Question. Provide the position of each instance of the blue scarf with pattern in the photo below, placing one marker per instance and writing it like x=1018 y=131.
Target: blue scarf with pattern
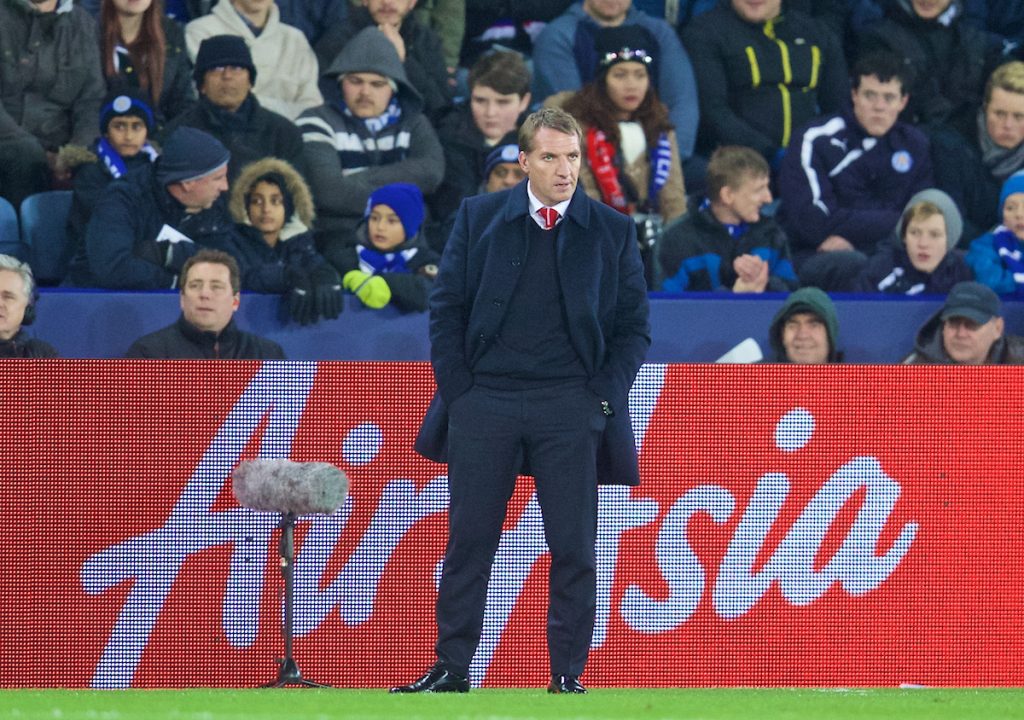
x=1008 y=247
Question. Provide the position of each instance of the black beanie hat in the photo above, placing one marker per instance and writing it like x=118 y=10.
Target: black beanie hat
x=625 y=43
x=122 y=102
x=223 y=51
x=189 y=154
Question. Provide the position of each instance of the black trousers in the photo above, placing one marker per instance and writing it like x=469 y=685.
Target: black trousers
x=557 y=431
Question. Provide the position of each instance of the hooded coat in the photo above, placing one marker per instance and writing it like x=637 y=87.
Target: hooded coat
x=265 y=268
x=929 y=350
x=812 y=300
x=405 y=149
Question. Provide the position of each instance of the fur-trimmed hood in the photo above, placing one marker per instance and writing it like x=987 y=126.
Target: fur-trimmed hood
x=301 y=220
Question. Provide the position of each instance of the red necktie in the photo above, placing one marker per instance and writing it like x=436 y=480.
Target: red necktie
x=550 y=216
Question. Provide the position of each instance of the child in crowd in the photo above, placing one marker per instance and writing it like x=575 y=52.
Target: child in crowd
x=273 y=210
x=389 y=265
x=996 y=257
x=727 y=244
x=126 y=122
x=924 y=259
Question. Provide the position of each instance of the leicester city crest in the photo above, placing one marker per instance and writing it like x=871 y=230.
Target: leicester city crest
x=901 y=161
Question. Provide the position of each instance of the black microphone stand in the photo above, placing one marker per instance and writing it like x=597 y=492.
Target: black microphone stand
x=288 y=673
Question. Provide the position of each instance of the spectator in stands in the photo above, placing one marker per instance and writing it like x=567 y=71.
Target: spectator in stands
x=996 y=257
x=805 y=330
x=210 y=295
x=144 y=50
x=149 y=223
x=447 y=18
x=370 y=133
x=565 y=58
x=631 y=157
x=18 y=309
x=390 y=266
x=229 y=110
x=418 y=47
x=126 y=121
x=947 y=60
x=506 y=25
x=499 y=95
x=972 y=168
x=51 y=87
x=762 y=74
x=273 y=209
x=287 y=79
x=847 y=177
x=727 y=244
x=501 y=168
x=923 y=260
x=967 y=330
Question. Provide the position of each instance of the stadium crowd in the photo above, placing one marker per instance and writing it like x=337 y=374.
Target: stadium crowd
x=319 y=149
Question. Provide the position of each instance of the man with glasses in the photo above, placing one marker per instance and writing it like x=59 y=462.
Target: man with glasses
x=846 y=177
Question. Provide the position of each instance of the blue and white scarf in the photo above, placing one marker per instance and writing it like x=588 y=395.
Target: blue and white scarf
x=376 y=262
x=375 y=124
x=661 y=163
x=1008 y=247
x=112 y=160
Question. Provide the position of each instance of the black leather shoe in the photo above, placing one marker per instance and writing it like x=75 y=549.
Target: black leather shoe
x=436 y=679
x=566 y=684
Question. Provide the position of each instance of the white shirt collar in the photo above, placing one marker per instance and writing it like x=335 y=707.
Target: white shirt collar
x=536 y=205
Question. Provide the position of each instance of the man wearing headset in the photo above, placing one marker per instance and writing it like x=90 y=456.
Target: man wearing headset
x=17 y=309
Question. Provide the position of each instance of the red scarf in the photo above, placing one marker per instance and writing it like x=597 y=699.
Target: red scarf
x=600 y=155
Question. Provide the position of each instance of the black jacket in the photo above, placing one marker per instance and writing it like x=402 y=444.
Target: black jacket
x=929 y=350
x=890 y=271
x=250 y=133
x=23 y=346
x=183 y=341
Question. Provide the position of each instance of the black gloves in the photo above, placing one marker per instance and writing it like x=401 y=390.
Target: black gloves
x=327 y=292
x=301 y=301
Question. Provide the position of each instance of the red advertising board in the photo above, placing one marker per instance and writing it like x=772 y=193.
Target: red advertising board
x=795 y=526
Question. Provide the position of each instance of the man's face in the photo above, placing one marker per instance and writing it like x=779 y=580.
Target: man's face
x=496 y=114
x=504 y=176
x=366 y=94
x=207 y=300
x=13 y=302
x=127 y=134
x=227 y=87
x=929 y=9
x=967 y=342
x=805 y=339
x=745 y=200
x=389 y=12
x=553 y=165
x=202 y=193
x=266 y=209
x=925 y=240
x=757 y=11
x=607 y=12
x=877 y=104
x=1013 y=214
x=385 y=228
x=1004 y=118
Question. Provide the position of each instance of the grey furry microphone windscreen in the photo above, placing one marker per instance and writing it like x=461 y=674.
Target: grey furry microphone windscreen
x=285 y=486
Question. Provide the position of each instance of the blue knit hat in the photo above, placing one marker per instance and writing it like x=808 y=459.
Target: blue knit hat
x=508 y=153
x=407 y=202
x=1013 y=184
x=190 y=154
x=122 y=102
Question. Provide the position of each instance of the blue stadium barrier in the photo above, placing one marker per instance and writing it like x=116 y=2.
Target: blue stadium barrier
x=10 y=236
x=44 y=219
x=696 y=328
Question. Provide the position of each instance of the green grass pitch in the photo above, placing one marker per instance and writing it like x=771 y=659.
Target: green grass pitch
x=613 y=704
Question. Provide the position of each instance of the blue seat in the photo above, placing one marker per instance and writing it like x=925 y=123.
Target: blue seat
x=44 y=220
x=10 y=236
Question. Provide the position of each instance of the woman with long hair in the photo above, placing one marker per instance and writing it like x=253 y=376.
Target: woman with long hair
x=631 y=160
x=142 y=48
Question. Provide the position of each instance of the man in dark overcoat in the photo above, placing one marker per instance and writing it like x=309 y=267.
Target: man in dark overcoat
x=538 y=326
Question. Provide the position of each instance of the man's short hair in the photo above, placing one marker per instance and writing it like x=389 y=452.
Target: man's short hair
x=504 y=71
x=885 y=66
x=1008 y=76
x=730 y=164
x=217 y=257
x=551 y=118
x=9 y=262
